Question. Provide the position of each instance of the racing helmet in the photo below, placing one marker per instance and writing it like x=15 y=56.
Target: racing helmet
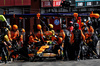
x=76 y=26
x=39 y=27
x=71 y=23
x=15 y=27
x=23 y=30
x=89 y=23
x=85 y=30
x=51 y=26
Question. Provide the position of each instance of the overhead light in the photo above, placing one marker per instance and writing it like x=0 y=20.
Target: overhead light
x=70 y=1
x=80 y=4
x=89 y=3
x=84 y=20
x=97 y=3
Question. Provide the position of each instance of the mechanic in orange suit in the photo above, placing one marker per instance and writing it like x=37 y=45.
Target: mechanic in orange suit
x=32 y=38
x=21 y=36
x=39 y=34
x=91 y=30
x=15 y=32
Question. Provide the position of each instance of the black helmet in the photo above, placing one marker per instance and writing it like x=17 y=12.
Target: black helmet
x=64 y=26
x=89 y=23
x=85 y=30
x=4 y=31
x=76 y=26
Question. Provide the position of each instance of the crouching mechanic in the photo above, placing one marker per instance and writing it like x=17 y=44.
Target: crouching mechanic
x=39 y=33
x=76 y=40
x=33 y=39
x=28 y=45
x=4 y=41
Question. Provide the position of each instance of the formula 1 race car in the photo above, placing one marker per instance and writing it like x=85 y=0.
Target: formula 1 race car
x=49 y=49
x=45 y=51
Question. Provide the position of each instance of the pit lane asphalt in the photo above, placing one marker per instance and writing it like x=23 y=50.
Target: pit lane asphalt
x=88 y=62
